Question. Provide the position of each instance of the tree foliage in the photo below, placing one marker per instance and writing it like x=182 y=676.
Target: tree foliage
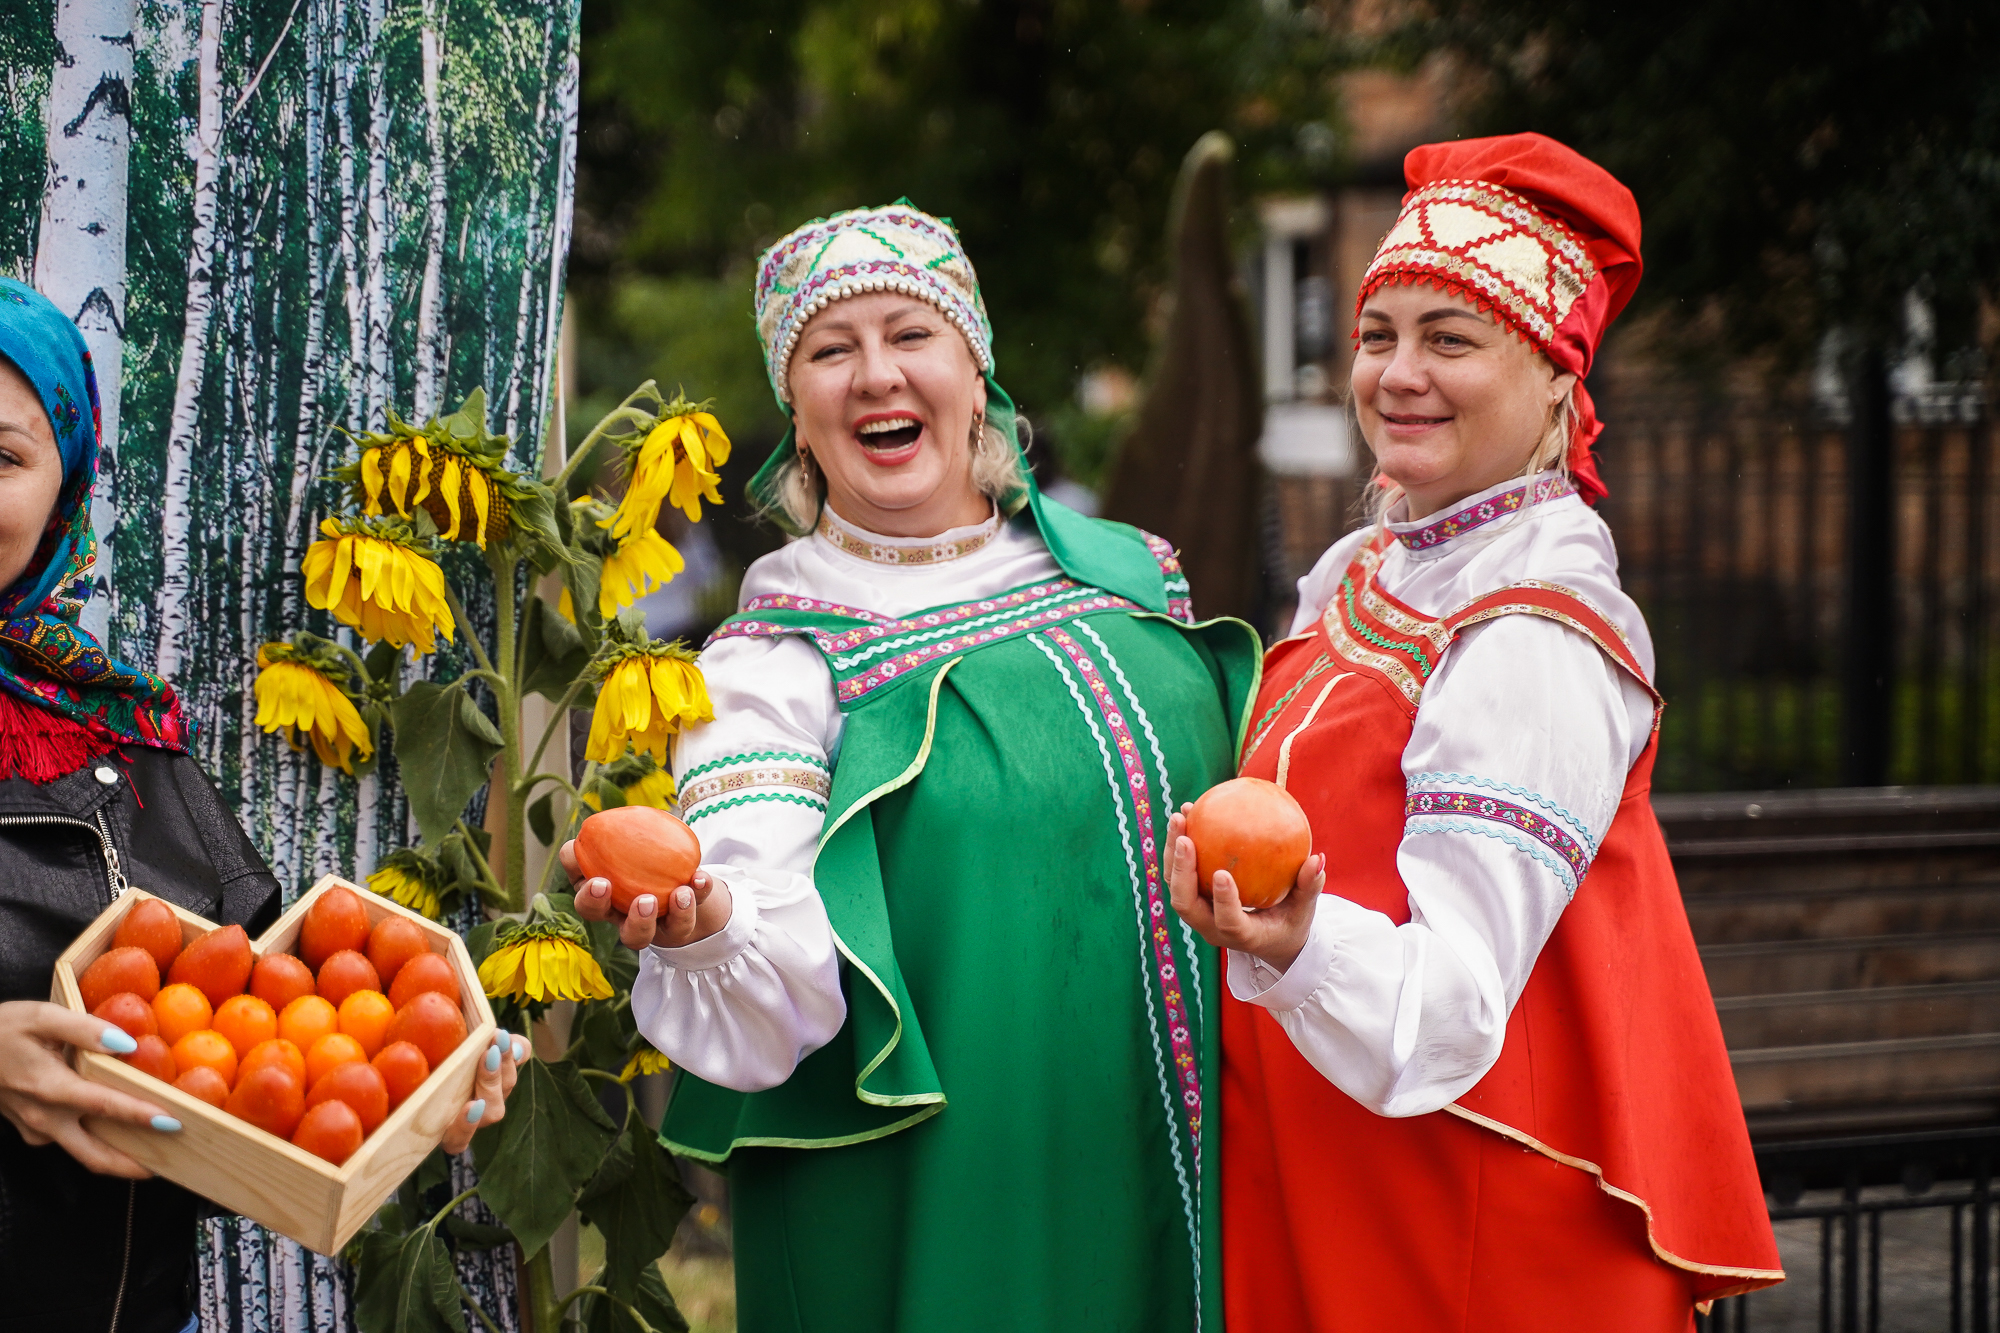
x=1801 y=166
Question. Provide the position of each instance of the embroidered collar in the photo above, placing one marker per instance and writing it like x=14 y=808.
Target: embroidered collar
x=1509 y=497
x=951 y=544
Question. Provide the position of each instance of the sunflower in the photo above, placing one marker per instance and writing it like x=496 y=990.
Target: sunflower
x=645 y=1060
x=647 y=695
x=543 y=958
x=373 y=574
x=677 y=463
x=303 y=699
x=409 y=878
x=643 y=783
x=637 y=567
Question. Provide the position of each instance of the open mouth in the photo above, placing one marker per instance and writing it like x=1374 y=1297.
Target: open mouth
x=889 y=434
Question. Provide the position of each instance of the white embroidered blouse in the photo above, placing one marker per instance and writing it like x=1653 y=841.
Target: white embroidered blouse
x=744 y=1006
x=1405 y=1019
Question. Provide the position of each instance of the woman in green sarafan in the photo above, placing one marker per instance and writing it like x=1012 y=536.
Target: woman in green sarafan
x=933 y=1013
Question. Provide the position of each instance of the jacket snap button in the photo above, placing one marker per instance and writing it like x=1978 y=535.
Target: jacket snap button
x=106 y=774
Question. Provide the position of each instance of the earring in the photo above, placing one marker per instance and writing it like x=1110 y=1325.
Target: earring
x=978 y=426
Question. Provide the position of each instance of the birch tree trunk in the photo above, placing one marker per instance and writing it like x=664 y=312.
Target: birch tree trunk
x=524 y=303
x=566 y=102
x=430 y=307
x=80 y=255
x=350 y=223
x=175 y=491
x=381 y=384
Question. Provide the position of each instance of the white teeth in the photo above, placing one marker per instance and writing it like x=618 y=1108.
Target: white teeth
x=887 y=424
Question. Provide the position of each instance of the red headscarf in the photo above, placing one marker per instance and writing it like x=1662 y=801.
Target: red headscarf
x=1534 y=232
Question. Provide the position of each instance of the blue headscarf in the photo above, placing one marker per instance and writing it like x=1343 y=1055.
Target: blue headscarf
x=46 y=656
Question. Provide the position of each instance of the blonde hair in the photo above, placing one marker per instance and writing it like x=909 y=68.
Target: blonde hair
x=800 y=488
x=1551 y=454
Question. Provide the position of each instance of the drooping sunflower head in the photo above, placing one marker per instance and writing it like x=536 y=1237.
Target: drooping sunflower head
x=409 y=877
x=640 y=564
x=299 y=695
x=645 y=1060
x=376 y=575
x=546 y=957
x=647 y=693
x=452 y=469
x=638 y=779
x=678 y=461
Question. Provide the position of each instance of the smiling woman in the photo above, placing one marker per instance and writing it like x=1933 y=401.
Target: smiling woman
x=950 y=722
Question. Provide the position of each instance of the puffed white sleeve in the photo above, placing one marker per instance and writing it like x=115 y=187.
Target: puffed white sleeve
x=1514 y=771
x=744 y=1006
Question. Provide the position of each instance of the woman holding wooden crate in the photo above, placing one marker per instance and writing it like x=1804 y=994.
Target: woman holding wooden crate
x=1472 y=1076
x=97 y=792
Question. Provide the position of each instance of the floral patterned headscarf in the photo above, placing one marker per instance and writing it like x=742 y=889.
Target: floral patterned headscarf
x=46 y=657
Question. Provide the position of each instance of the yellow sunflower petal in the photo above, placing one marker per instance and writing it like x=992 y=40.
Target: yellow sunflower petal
x=399 y=479
x=448 y=487
x=482 y=500
x=371 y=480
x=423 y=448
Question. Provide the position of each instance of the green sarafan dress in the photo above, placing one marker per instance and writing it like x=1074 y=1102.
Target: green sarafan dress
x=1013 y=1130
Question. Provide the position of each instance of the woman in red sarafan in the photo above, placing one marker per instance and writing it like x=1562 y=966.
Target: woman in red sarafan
x=1472 y=1077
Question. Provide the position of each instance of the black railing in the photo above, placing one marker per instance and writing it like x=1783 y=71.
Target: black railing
x=1733 y=531
x=1848 y=1192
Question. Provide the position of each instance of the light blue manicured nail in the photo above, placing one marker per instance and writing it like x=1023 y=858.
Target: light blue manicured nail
x=520 y=1050
x=492 y=1058
x=475 y=1112
x=166 y=1124
x=118 y=1041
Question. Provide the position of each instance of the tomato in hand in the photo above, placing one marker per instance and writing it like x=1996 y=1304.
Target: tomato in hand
x=639 y=849
x=1255 y=831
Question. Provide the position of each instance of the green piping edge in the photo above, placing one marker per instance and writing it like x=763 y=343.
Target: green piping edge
x=715 y=807
x=751 y=757
x=845 y=1140
x=908 y=775
x=1256 y=657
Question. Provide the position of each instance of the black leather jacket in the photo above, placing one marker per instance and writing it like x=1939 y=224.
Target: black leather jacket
x=77 y=1250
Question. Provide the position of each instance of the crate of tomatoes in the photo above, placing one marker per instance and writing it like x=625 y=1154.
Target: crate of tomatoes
x=311 y=1069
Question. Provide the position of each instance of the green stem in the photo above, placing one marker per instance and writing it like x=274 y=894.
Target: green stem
x=576 y=809
x=465 y=628
x=543 y=1306
x=473 y=1306
x=529 y=783
x=514 y=874
x=615 y=416
x=479 y=859
x=549 y=732
x=637 y=1318
x=445 y=1211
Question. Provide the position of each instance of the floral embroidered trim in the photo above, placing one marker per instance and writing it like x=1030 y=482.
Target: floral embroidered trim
x=1144 y=870
x=1320 y=666
x=883 y=553
x=1473 y=517
x=716 y=807
x=1180 y=597
x=784 y=601
x=702 y=790
x=728 y=759
x=1445 y=781
x=1472 y=805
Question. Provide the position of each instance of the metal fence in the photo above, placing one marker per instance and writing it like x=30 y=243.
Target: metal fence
x=1734 y=529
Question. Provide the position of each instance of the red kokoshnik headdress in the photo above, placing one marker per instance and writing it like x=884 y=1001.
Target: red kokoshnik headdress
x=1535 y=233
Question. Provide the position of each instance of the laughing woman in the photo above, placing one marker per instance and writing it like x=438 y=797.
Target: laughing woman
x=1477 y=1083
x=934 y=1013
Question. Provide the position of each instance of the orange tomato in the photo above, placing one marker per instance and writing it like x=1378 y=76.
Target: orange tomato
x=432 y=1024
x=335 y=1048
x=360 y=1086
x=403 y=1069
x=271 y=1097
x=639 y=849
x=218 y=964
x=151 y=925
x=277 y=1052
x=306 y=1020
x=337 y=920
x=279 y=978
x=245 y=1020
x=208 y=1048
x=128 y=969
x=331 y=1130
x=205 y=1083
x=365 y=1016
x=430 y=972
x=394 y=942
x=126 y=1010
x=179 y=1010
x=344 y=973
x=153 y=1058
x=1255 y=831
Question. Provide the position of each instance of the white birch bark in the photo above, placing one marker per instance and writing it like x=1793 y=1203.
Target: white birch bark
x=175 y=515
x=524 y=301
x=379 y=381
x=80 y=252
x=430 y=306
x=350 y=223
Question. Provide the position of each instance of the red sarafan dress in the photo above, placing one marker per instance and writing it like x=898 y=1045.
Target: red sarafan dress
x=1597 y=1174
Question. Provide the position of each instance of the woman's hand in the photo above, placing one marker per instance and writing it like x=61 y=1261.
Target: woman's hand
x=497 y=1071
x=694 y=911
x=1275 y=934
x=46 y=1100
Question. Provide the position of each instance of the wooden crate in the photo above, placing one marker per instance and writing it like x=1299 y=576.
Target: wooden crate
x=249 y=1170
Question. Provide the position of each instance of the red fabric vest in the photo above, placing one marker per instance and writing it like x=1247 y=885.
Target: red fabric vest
x=1613 y=1063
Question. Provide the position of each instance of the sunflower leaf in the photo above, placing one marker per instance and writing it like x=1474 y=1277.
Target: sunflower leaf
x=555 y=652
x=533 y=1163
x=638 y=1213
x=542 y=819
x=445 y=747
x=653 y=1301
x=406 y=1284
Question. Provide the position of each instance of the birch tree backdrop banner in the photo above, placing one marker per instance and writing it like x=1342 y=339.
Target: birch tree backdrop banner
x=273 y=220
